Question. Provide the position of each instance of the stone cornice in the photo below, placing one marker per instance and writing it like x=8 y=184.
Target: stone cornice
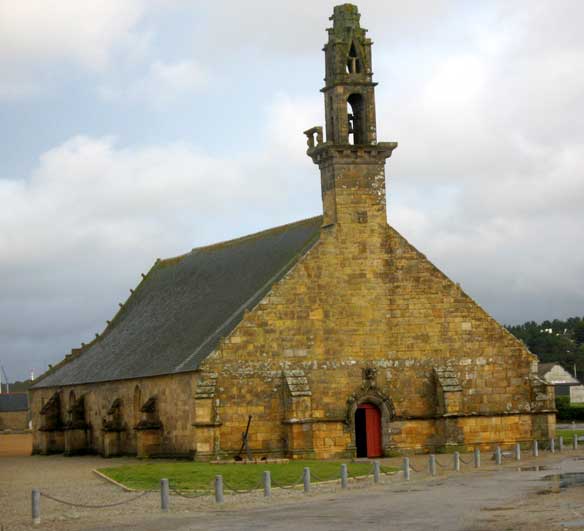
x=327 y=153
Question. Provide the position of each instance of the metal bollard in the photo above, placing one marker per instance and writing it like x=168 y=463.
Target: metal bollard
x=517 y=452
x=344 y=476
x=406 y=468
x=535 y=448
x=306 y=478
x=498 y=456
x=477 y=457
x=553 y=446
x=560 y=444
x=456 y=461
x=267 y=483
x=575 y=442
x=164 y=495
x=36 y=507
x=219 y=498
x=432 y=465
x=376 y=471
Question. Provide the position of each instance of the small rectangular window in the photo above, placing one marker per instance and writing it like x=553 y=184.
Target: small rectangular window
x=362 y=216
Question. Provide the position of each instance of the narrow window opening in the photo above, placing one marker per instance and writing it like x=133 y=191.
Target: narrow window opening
x=353 y=62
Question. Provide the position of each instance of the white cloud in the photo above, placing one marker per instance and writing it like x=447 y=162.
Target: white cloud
x=36 y=37
x=85 y=32
x=163 y=83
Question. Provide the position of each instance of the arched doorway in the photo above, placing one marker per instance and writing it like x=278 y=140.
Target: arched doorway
x=368 y=431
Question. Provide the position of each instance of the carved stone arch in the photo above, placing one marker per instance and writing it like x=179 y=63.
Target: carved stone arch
x=72 y=398
x=137 y=404
x=371 y=395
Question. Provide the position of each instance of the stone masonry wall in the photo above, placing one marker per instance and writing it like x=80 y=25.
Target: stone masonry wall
x=174 y=403
x=363 y=297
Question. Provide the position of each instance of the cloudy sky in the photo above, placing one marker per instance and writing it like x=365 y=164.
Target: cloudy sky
x=140 y=129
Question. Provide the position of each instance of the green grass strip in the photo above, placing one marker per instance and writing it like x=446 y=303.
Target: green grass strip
x=189 y=476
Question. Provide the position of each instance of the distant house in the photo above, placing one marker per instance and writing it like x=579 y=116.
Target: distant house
x=564 y=383
x=14 y=411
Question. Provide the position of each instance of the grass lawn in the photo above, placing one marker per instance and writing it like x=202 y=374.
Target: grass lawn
x=199 y=476
x=568 y=435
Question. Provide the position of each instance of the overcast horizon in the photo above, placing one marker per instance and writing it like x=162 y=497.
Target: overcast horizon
x=141 y=129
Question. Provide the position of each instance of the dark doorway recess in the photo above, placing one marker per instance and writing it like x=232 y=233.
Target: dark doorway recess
x=368 y=431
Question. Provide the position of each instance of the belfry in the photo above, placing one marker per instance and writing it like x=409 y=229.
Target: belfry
x=327 y=337
x=351 y=149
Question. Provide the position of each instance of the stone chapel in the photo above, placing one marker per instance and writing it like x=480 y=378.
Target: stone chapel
x=333 y=333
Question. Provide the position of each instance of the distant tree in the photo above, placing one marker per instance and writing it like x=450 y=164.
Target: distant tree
x=564 y=345
x=579 y=333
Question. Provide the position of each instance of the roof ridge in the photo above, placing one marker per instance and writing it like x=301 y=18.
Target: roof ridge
x=163 y=261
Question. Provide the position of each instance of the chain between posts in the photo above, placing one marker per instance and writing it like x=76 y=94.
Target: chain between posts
x=102 y=506
x=465 y=462
x=441 y=465
x=193 y=494
x=257 y=486
x=416 y=470
x=190 y=496
x=279 y=485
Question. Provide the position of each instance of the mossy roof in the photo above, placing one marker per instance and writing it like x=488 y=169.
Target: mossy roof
x=185 y=305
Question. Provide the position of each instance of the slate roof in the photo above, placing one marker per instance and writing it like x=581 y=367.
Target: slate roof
x=13 y=402
x=185 y=305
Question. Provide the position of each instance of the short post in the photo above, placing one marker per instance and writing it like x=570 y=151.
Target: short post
x=517 y=452
x=456 y=461
x=306 y=478
x=575 y=441
x=344 y=476
x=553 y=446
x=535 y=448
x=477 y=457
x=376 y=471
x=219 y=498
x=498 y=455
x=164 y=495
x=432 y=465
x=36 y=507
x=561 y=443
x=406 y=468
x=267 y=483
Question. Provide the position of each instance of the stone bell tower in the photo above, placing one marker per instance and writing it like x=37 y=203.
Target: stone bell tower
x=351 y=161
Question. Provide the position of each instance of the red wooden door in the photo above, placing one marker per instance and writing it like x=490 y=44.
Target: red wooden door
x=373 y=430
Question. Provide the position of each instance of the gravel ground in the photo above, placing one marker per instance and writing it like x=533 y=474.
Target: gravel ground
x=72 y=479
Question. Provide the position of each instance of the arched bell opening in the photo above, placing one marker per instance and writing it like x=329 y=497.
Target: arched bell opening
x=356 y=118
